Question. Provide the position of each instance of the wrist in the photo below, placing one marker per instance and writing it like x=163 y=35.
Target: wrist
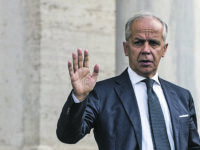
x=80 y=97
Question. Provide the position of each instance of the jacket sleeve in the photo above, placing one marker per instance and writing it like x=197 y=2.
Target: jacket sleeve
x=77 y=119
x=194 y=139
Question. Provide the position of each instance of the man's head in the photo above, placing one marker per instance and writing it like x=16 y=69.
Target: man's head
x=145 y=43
x=132 y=19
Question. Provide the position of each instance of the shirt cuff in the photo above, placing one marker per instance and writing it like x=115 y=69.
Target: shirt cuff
x=75 y=99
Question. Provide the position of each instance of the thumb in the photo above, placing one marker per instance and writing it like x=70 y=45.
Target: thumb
x=95 y=72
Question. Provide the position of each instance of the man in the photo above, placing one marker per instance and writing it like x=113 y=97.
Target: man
x=126 y=112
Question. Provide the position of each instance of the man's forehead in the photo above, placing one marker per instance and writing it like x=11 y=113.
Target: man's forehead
x=146 y=28
x=146 y=31
x=146 y=34
x=147 y=24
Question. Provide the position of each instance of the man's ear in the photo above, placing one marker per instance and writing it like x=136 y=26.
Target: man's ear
x=125 y=45
x=165 y=49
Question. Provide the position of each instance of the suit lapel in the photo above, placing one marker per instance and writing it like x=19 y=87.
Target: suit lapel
x=174 y=107
x=125 y=91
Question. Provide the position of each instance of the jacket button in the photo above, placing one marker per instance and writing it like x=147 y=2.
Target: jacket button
x=68 y=110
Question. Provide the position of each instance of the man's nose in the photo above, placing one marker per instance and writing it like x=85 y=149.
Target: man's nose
x=146 y=48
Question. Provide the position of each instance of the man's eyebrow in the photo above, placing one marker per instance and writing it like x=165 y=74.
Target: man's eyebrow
x=141 y=39
x=154 y=40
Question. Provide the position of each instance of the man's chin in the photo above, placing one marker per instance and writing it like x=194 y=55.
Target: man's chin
x=147 y=73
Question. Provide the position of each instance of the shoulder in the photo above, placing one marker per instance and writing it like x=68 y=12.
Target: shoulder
x=119 y=79
x=172 y=86
x=107 y=83
x=111 y=83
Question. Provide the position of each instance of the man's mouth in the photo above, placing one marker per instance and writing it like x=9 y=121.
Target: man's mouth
x=145 y=62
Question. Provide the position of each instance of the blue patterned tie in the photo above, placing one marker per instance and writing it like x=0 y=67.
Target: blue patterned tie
x=156 y=118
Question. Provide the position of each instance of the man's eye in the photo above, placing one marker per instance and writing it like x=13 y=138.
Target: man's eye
x=153 y=43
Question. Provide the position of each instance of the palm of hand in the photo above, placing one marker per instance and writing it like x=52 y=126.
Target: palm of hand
x=82 y=81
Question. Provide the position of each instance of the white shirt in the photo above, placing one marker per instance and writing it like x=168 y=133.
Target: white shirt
x=141 y=96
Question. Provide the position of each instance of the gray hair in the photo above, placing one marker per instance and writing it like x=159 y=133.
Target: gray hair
x=132 y=19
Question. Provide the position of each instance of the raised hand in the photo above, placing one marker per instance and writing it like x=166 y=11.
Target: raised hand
x=82 y=80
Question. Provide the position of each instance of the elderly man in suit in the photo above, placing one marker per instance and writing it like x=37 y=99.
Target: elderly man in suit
x=136 y=110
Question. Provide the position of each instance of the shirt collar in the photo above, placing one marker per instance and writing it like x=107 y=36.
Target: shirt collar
x=135 y=78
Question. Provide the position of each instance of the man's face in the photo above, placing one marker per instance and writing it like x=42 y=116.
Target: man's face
x=145 y=47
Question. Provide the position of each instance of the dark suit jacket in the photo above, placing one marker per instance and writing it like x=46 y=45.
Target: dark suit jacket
x=112 y=110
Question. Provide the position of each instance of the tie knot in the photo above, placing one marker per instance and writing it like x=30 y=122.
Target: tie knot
x=149 y=82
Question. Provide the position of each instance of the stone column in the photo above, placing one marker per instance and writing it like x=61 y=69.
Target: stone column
x=19 y=88
x=181 y=64
x=11 y=66
x=196 y=57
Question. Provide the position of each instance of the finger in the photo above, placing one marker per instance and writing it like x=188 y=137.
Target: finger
x=75 y=65
x=80 y=58
x=95 y=72
x=86 y=59
x=71 y=72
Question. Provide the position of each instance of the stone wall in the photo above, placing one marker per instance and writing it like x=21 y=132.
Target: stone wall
x=37 y=39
